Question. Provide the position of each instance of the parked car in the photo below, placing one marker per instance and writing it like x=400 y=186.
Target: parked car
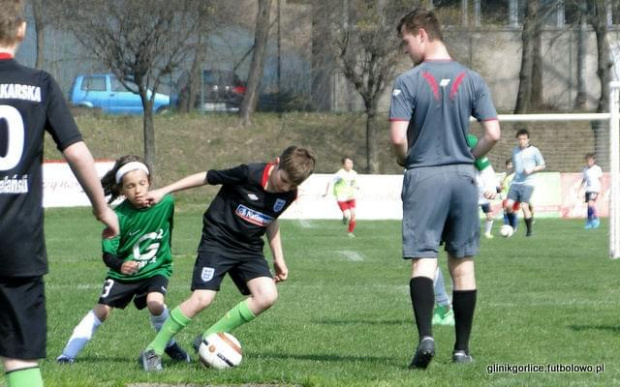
x=221 y=90
x=106 y=92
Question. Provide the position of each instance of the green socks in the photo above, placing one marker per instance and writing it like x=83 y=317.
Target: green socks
x=25 y=377
x=235 y=317
x=173 y=325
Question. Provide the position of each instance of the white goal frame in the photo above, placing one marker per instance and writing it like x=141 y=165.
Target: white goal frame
x=614 y=154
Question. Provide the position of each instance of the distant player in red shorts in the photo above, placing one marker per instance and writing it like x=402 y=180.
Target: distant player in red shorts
x=345 y=186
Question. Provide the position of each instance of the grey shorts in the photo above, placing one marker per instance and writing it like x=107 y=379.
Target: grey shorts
x=440 y=205
x=521 y=193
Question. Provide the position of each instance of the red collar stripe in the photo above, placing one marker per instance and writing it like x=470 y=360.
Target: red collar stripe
x=266 y=174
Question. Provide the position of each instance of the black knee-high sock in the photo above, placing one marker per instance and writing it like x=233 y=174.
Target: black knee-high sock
x=464 y=304
x=528 y=224
x=423 y=301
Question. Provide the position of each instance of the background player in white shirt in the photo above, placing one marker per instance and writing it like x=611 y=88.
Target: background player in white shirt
x=592 y=175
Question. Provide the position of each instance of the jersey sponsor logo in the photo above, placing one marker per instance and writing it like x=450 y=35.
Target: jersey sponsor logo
x=132 y=233
x=253 y=216
x=146 y=248
x=206 y=274
x=17 y=91
x=252 y=196
x=444 y=82
x=15 y=185
x=396 y=92
x=279 y=205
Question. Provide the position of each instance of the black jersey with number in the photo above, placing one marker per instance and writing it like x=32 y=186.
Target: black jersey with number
x=31 y=102
x=242 y=209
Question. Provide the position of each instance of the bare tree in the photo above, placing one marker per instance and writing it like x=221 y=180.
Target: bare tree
x=44 y=13
x=366 y=49
x=187 y=98
x=261 y=36
x=38 y=10
x=530 y=73
x=142 y=41
x=581 y=98
x=598 y=20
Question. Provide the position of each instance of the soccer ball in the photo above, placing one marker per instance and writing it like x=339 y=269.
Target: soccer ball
x=220 y=350
x=506 y=231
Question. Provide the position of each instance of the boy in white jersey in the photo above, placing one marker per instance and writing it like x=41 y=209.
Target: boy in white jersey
x=592 y=175
x=345 y=185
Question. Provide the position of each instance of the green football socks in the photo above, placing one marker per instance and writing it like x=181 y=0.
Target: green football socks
x=173 y=325
x=234 y=318
x=26 y=377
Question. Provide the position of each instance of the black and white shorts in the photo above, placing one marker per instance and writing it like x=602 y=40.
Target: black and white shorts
x=591 y=196
x=23 y=318
x=213 y=262
x=118 y=294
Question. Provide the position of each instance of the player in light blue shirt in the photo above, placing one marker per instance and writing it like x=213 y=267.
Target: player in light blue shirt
x=527 y=160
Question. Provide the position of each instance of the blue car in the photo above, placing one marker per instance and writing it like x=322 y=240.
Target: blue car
x=106 y=92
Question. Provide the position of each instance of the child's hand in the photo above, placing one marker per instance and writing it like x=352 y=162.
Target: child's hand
x=153 y=197
x=129 y=267
x=281 y=271
x=490 y=194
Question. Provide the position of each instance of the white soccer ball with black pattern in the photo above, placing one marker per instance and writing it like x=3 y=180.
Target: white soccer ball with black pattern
x=506 y=231
x=220 y=351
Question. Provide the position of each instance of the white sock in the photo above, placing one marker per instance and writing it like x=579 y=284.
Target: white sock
x=488 y=226
x=158 y=321
x=81 y=335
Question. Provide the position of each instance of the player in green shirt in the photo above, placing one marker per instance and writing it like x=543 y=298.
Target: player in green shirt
x=139 y=258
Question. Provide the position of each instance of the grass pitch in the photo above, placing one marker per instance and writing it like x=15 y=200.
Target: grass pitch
x=344 y=317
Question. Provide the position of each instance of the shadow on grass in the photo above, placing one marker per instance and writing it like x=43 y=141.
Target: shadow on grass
x=610 y=328
x=363 y=322
x=324 y=357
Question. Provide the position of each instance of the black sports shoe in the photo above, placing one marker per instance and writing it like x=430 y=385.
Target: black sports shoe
x=424 y=353
x=62 y=359
x=177 y=353
x=196 y=343
x=150 y=361
x=462 y=357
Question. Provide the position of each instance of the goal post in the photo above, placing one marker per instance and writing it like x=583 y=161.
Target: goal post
x=613 y=118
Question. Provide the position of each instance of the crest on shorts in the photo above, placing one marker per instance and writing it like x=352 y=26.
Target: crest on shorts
x=279 y=205
x=207 y=274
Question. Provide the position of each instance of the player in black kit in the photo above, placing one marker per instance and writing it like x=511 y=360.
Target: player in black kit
x=31 y=103
x=247 y=206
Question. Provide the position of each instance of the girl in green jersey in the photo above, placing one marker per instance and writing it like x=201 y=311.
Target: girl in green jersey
x=139 y=258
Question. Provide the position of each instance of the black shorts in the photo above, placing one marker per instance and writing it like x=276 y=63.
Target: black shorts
x=591 y=196
x=213 y=263
x=23 y=319
x=118 y=294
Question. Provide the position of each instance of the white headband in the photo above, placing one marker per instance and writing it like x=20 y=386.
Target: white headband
x=132 y=166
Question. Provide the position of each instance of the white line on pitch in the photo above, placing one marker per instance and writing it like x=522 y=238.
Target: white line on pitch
x=352 y=255
x=305 y=223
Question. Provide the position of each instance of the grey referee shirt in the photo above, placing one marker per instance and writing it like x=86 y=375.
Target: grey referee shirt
x=437 y=98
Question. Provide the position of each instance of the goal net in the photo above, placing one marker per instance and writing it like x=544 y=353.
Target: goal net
x=564 y=140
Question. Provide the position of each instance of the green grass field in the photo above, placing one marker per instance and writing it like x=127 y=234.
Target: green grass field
x=344 y=317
